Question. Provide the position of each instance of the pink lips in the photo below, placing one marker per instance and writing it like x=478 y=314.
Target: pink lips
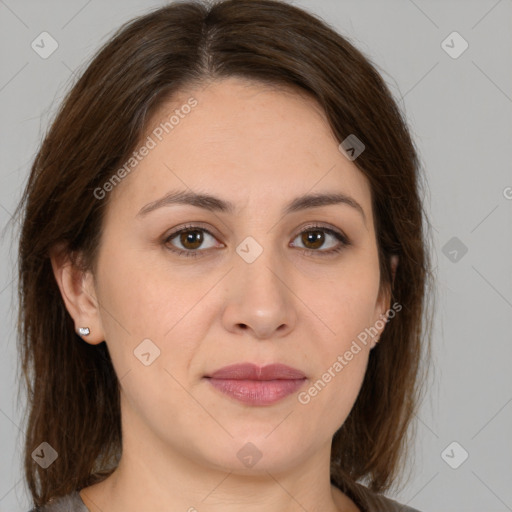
x=254 y=385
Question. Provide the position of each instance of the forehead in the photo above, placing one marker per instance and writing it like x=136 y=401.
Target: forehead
x=241 y=140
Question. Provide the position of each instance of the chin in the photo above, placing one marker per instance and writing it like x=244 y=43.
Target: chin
x=254 y=454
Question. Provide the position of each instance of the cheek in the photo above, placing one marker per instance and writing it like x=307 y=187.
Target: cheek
x=341 y=363
x=329 y=398
x=348 y=308
x=144 y=299
x=150 y=338
x=142 y=302
x=341 y=353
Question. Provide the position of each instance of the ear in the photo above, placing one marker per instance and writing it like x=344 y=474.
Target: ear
x=78 y=293
x=384 y=302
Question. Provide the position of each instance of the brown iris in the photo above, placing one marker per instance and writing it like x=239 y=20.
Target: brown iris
x=316 y=238
x=193 y=237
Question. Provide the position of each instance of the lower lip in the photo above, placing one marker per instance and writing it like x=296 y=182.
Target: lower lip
x=257 y=392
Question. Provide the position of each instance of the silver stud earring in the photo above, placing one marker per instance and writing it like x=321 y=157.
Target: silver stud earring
x=84 y=331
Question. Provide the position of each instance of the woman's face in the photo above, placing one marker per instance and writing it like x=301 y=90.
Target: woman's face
x=238 y=286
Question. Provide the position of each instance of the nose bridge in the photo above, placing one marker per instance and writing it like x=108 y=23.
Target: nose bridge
x=257 y=268
x=259 y=298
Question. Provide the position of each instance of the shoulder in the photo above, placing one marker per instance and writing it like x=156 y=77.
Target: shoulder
x=372 y=502
x=70 y=503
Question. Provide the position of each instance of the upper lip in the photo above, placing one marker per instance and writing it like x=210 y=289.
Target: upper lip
x=250 y=371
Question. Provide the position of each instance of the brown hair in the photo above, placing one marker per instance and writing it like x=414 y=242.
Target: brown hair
x=72 y=388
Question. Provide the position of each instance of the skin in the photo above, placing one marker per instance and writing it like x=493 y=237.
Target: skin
x=260 y=148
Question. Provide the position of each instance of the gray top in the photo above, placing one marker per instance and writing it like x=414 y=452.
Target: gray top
x=372 y=503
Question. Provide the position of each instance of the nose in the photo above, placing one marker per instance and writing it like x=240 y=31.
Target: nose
x=259 y=300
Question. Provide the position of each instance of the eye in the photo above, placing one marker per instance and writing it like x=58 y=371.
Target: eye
x=315 y=237
x=191 y=238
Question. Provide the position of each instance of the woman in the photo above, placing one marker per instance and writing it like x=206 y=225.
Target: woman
x=223 y=273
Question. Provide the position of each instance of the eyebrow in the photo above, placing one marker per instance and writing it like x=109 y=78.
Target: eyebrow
x=215 y=204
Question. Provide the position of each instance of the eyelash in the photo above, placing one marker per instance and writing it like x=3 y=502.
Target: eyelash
x=344 y=241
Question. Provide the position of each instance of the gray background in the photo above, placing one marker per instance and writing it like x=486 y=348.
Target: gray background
x=459 y=110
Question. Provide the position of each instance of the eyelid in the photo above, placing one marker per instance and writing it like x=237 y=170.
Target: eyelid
x=200 y=225
x=196 y=226
x=327 y=227
x=190 y=226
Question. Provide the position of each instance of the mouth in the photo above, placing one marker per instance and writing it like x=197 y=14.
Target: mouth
x=254 y=385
